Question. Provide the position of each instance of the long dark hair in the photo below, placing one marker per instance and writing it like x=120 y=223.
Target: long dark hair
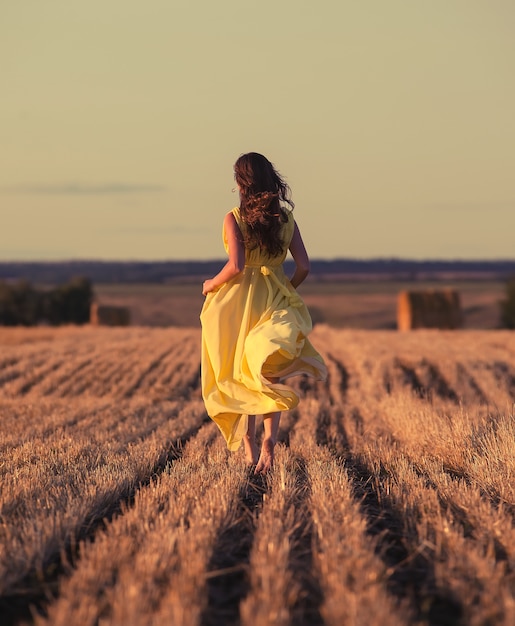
x=261 y=191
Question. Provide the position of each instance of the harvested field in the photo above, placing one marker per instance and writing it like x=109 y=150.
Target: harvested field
x=367 y=305
x=392 y=500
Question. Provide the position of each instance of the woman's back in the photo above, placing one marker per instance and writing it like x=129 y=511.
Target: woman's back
x=257 y=256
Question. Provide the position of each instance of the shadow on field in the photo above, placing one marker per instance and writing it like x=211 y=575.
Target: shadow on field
x=412 y=575
x=287 y=427
x=424 y=379
x=41 y=587
x=309 y=598
x=228 y=577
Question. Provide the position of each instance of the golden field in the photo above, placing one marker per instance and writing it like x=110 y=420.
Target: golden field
x=363 y=304
x=392 y=500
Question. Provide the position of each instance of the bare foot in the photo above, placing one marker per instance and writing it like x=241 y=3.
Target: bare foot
x=251 y=451
x=266 y=458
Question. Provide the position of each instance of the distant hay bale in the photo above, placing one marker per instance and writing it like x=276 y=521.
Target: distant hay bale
x=106 y=315
x=429 y=309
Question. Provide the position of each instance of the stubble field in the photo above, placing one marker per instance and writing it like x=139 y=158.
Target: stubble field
x=363 y=304
x=391 y=502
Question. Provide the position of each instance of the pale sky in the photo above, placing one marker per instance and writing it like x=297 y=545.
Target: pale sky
x=393 y=122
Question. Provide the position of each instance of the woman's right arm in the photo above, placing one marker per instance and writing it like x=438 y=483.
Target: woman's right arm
x=236 y=261
x=300 y=256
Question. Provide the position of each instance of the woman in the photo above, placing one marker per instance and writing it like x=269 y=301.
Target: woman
x=254 y=324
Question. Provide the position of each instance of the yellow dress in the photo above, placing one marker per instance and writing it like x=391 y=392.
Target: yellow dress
x=254 y=327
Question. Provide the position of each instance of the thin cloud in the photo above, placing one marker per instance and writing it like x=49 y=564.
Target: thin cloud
x=70 y=189
x=156 y=230
x=473 y=207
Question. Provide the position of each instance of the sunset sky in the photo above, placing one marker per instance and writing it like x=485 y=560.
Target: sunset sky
x=393 y=122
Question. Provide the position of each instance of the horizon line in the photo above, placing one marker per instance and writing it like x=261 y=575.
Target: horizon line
x=383 y=259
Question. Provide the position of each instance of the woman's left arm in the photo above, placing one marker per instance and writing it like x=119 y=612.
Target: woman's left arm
x=236 y=261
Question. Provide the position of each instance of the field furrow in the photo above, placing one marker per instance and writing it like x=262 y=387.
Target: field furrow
x=343 y=549
x=169 y=533
x=486 y=521
x=53 y=385
x=109 y=377
x=392 y=499
x=9 y=370
x=459 y=573
x=184 y=356
x=227 y=572
x=147 y=379
x=337 y=381
x=54 y=495
x=183 y=352
x=274 y=590
x=39 y=374
x=23 y=369
x=46 y=419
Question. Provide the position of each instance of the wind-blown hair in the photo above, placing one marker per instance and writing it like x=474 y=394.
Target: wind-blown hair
x=262 y=190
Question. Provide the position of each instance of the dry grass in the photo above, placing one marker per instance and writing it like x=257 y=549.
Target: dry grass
x=392 y=500
x=360 y=304
x=183 y=510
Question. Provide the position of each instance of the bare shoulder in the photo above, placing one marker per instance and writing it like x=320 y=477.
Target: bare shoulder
x=230 y=221
x=297 y=246
x=231 y=225
x=296 y=231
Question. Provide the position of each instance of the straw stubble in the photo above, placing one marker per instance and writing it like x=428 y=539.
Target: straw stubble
x=391 y=499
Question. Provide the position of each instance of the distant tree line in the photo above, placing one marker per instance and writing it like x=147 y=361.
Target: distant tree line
x=168 y=271
x=508 y=306
x=23 y=305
